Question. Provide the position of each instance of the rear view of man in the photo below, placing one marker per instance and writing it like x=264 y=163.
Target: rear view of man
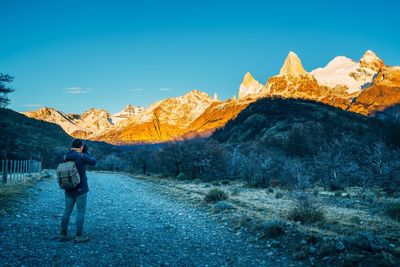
x=77 y=195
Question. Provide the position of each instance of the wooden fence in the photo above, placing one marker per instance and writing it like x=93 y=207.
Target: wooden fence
x=15 y=170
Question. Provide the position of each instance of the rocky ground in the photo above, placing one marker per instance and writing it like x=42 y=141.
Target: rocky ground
x=354 y=229
x=131 y=223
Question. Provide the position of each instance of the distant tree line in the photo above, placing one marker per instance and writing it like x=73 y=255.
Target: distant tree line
x=336 y=164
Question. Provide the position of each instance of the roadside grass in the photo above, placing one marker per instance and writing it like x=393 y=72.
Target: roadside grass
x=10 y=194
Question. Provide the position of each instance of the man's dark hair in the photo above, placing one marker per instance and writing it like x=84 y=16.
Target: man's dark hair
x=77 y=143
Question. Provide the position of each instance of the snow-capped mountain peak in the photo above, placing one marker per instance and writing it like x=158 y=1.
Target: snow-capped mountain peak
x=342 y=71
x=249 y=86
x=129 y=111
x=339 y=62
x=372 y=61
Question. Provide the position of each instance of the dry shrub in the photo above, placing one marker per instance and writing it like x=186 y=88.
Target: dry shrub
x=306 y=209
x=215 y=195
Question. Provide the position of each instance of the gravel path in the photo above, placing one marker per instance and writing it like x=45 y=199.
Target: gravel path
x=130 y=223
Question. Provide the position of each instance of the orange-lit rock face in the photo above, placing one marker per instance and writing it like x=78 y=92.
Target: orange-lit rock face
x=305 y=86
x=158 y=130
x=163 y=121
x=215 y=116
x=146 y=132
x=80 y=134
x=299 y=86
x=384 y=93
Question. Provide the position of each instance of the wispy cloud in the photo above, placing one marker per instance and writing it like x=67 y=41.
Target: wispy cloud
x=78 y=90
x=165 y=89
x=31 y=105
x=137 y=89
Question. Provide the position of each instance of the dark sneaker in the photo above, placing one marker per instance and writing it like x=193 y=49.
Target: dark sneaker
x=81 y=239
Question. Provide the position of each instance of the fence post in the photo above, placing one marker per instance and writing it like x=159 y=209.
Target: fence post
x=2 y=170
x=19 y=170
x=6 y=172
x=11 y=171
x=14 y=170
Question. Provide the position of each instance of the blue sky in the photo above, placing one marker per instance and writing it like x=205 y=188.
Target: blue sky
x=73 y=55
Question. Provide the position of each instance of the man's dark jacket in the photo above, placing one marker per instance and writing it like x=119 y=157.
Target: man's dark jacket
x=80 y=159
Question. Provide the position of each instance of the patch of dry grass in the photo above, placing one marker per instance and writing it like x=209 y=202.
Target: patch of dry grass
x=10 y=194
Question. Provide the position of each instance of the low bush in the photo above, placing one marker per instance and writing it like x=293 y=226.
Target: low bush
x=272 y=229
x=306 y=210
x=215 y=195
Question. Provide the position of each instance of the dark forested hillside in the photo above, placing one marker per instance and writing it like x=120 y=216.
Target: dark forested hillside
x=23 y=138
x=294 y=122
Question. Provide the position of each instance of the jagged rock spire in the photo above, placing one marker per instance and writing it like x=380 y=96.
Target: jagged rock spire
x=249 y=86
x=292 y=65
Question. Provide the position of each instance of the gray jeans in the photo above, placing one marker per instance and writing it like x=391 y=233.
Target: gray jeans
x=69 y=206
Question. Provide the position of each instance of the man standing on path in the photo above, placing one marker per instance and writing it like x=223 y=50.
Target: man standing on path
x=77 y=195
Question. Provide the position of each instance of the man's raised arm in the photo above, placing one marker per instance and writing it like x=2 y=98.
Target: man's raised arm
x=88 y=159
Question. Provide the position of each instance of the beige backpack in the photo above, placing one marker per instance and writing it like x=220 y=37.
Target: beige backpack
x=67 y=175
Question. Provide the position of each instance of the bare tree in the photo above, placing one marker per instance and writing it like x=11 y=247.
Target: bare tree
x=237 y=163
x=297 y=173
x=334 y=163
x=112 y=163
x=382 y=165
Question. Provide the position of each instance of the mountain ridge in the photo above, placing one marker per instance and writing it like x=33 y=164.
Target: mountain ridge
x=365 y=87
